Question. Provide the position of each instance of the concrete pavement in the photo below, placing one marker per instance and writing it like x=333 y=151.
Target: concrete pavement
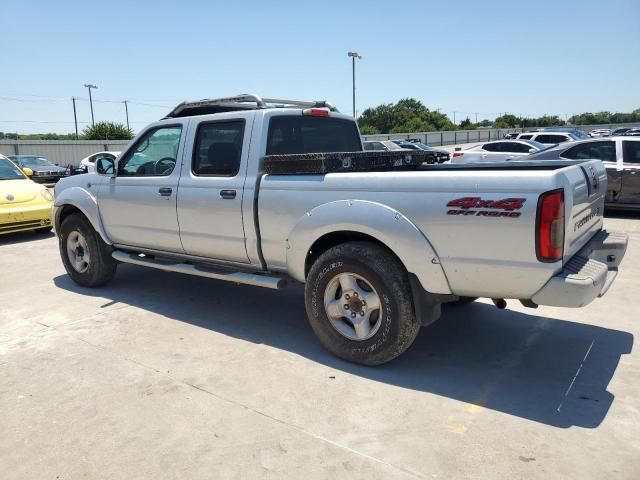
x=162 y=375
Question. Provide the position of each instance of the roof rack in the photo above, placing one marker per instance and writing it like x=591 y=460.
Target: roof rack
x=246 y=101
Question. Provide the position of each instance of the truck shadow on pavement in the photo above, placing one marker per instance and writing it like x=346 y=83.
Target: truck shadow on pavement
x=542 y=369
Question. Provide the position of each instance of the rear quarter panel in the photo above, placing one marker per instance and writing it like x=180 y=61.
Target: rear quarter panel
x=480 y=254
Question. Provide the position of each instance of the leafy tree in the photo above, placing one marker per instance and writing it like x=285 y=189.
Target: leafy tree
x=506 y=121
x=467 y=124
x=107 y=131
x=406 y=116
x=368 y=130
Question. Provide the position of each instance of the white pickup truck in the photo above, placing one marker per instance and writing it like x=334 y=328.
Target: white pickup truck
x=239 y=189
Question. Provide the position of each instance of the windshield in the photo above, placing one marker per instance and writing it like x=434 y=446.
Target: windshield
x=8 y=170
x=537 y=145
x=35 y=162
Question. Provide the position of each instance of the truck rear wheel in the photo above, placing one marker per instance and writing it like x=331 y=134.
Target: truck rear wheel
x=359 y=303
x=86 y=258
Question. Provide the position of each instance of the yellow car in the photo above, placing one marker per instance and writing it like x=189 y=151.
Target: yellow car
x=24 y=204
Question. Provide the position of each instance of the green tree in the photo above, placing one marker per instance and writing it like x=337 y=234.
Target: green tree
x=107 y=131
x=506 y=121
x=368 y=130
x=406 y=116
x=467 y=124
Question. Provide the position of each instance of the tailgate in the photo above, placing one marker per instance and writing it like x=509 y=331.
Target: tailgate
x=584 y=204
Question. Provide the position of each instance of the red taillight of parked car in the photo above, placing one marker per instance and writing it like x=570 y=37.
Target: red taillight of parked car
x=457 y=154
x=550 y=226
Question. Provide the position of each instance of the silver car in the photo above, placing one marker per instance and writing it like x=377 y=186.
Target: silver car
x=497 y=151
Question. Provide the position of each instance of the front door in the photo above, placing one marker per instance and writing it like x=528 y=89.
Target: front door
x=631 y=172
x=138 y=206
x=211 y=188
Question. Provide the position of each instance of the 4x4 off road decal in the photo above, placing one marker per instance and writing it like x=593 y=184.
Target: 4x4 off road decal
x=475 y=206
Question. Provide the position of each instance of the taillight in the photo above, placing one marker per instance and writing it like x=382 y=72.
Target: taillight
x=457 y=154
x=316 y=112
x=550 y=226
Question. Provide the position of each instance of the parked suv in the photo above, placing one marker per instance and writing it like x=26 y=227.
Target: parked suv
x=548 y=138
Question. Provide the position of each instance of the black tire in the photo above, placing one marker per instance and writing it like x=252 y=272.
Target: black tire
x=101 y=266
x=398 y=326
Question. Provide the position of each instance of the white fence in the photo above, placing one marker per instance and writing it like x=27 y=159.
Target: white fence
x=62 y=152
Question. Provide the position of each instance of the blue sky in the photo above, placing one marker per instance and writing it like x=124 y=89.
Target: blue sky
x=529 y=58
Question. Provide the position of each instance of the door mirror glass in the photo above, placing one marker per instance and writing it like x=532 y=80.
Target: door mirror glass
x=105 y=166
x=27 y=171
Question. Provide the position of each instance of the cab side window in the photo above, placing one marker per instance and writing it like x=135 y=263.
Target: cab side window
x=218 y=149
x=631 y=152
x=605 y=151
x=552 y=138
x=154 y=155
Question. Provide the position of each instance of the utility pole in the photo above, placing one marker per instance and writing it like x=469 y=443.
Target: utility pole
x=75 y=116
x=454 y=118
x=89 y=86
x=353 y=56
x=476 y=118
x=126 y=110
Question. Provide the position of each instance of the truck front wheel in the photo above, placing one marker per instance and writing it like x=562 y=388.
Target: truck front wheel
x=359 y=303
x=85 y=256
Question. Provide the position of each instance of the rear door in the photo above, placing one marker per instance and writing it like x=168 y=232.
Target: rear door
x=211 y=187
x=631 y=172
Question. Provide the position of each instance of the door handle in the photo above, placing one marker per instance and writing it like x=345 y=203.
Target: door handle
x=165 y=191
x=228 y=194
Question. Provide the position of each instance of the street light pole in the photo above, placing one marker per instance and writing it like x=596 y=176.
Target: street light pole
x=75 y=116
x=89 y=86
x=126 y=110
x=353 y=56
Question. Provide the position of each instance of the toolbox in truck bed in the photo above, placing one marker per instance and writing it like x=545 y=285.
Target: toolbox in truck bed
x=320 y=163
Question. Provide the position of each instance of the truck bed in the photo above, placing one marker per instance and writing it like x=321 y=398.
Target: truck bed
x=483 y=254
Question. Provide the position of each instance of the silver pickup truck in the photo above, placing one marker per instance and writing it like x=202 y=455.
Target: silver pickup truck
x=240 y=189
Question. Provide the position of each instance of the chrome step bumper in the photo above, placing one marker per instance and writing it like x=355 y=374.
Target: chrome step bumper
x=588 y=275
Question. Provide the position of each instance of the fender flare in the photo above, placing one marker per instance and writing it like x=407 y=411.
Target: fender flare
x=379 y=221
x=83 y=201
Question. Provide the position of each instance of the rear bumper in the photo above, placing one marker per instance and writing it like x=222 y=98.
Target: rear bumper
x=588 y=275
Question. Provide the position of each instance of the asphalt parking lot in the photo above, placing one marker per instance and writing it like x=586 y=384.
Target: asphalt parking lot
x=161 y=375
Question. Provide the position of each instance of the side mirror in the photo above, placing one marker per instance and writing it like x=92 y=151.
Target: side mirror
x=27 y=171
x=106 y=166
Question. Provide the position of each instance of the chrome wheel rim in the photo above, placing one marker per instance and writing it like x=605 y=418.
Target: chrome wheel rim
x=353 y=306
x=78 y=252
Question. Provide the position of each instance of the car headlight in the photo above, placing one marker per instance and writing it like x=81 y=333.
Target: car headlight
x=46 y=194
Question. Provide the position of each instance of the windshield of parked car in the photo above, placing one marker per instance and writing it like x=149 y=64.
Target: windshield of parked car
x=35 y=162
x=536 y=145
x=9 y=171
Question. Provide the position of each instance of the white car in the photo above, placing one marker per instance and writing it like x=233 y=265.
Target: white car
x=89 y=163
x=549 y=138
x=497 y=151
x=600 y=132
